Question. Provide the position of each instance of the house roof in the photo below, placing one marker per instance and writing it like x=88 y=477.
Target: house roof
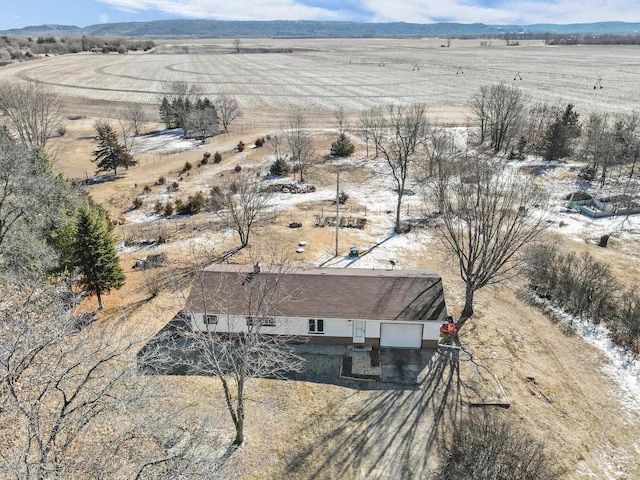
x=352 y=293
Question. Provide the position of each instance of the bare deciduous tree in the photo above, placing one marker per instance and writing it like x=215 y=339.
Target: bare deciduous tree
x=242 y=203
x=488 y=215
x=72 y=401
x=203 y=122
x=278 y=145
x=228 y=109
x=499 y=112
x=236 y=44
x=478 y=103
x=237 y=358
x=129 y=121
x=370 y=123
x=33 y=111
x=440 y=150
x=134 y=114
x=299 y=142
x=398 y=138
x=342 y=124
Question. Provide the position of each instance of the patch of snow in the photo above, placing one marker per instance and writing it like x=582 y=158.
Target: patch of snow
x=377 y=253
x=139 y=216
x=165 y=141
x=130 y=247
x=583 y=470
x=613 y=465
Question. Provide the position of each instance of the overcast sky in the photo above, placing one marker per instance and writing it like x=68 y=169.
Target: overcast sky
x=20 y=13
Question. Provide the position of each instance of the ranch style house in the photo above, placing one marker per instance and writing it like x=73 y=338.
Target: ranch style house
x=340 y=306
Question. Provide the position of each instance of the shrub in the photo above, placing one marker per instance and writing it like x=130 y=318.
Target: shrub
x=169 y=209
x=137 y=203
x=62 y=130
x=205 y=158
x=175 y=186
x=162 y=180
x=240 y=146
x=343 y=197
x=490 y=446
x=215 y=200
x=217 y=158
x=159 y=208
x=195 y=203
x=625 y=326
x=187 y=167
x=587 y=173
x=280 y=168
x=342 y=147
x=579 y=284
x=146 y=189
x=237 y=168
x=259 y=142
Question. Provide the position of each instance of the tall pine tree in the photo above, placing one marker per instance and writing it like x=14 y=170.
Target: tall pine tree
x=557 y=140
x=96 y=254
x=110 y=154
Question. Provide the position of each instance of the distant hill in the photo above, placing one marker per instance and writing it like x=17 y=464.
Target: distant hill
x=44 y=30
x=281 y=28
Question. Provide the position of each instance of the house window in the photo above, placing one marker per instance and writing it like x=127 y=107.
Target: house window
x=262 y=321
x=316 y=325
x=210 y=319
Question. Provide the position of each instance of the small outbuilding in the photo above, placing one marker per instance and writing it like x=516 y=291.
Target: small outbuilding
x=341 y=306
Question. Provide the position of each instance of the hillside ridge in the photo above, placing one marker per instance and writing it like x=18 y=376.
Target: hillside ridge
x=319 y=29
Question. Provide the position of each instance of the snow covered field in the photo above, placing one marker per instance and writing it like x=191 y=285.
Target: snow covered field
x=355 y=74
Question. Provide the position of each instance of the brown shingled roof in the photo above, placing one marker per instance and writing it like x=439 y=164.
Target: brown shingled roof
x=351 y=293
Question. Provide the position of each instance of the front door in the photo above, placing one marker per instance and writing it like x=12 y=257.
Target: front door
x=358 y=331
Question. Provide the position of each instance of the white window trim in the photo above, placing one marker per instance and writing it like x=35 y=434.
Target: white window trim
x=262 y=321
x=316 y=330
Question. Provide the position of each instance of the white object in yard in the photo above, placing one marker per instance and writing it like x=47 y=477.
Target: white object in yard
x=300 y=250
x=401 y=335
x=302 y=243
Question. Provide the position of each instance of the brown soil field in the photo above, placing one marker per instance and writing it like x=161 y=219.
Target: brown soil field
x=304 y=430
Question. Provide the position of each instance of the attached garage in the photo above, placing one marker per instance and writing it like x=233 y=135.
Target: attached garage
x=401 y=335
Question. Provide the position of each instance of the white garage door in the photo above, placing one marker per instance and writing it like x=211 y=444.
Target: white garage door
x=400 y=335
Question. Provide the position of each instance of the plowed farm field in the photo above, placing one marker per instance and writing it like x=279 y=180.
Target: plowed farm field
x=320 y=75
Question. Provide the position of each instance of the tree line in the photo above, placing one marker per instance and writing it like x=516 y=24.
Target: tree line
x=185 y=107
x=26 y=48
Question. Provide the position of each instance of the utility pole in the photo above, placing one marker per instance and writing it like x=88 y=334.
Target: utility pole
x=337 y=209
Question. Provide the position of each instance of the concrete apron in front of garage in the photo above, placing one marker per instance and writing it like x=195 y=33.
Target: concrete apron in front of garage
x=388 y=365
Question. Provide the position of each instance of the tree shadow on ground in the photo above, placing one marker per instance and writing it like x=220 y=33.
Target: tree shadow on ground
x=389 y=436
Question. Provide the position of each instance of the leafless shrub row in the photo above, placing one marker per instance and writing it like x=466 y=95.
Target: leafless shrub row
x=586 y=288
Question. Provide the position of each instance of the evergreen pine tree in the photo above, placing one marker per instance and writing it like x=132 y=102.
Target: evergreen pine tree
x=110 y=154
x=556 y=141
x=96 y=254
x=165 y=112
x=342 y=147
x=570 y=119
x=280 y=167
